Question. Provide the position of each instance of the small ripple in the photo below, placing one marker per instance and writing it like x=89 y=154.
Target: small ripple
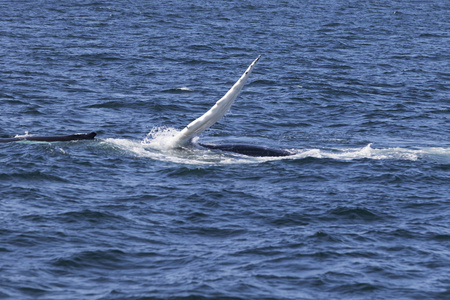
x=29 y=239
x=442 y=237
x=105 y=259
x=350 y=213
x=357 y=288
x=213 y=232
x=263 y=82
x=34 y=176
x=324 y=237
x=196 y=62
x=290 y=219
x=32 y=291
x=2 y=249
x=179 y=90
x=199 y=47
x=269 y=251
x=95 y=217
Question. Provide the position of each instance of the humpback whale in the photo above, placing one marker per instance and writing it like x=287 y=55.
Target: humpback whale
x=60 y=138
x=250 y=150
x=184 y=137
x=214 y=114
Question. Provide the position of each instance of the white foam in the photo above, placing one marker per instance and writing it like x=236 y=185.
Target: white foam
x=366 y=152
x=23 y=135
x=160 y=138
x=185 y=89
x=438 y=154
x=158 y=145
x=154 y=149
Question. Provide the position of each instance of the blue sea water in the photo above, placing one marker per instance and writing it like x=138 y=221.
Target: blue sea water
x=359 y=90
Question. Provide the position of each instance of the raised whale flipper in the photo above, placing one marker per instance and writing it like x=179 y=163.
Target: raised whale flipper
x=214 y=114
x=60 y=138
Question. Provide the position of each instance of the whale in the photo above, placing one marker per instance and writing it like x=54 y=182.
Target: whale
x=249 y=150
x=185 y=137
x=56 y=138
x=215 y=113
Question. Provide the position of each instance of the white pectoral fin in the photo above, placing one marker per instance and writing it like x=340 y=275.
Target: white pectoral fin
x=215 y=113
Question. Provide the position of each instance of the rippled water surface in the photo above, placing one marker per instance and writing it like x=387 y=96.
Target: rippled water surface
x=358 y=90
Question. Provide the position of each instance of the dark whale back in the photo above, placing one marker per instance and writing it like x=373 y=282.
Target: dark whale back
x=61 y=138
x=250 y=150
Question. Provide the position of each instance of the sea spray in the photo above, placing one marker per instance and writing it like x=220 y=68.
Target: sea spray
x=160 y=138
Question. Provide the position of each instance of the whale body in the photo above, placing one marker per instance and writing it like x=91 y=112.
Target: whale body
x=214 y=114
x=195 y=128
x=249 y=150
x=58 y=138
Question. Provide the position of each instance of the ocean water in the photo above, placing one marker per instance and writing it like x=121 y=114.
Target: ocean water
x=359 y=90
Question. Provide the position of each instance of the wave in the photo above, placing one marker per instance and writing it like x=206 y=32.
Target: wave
x=178 y=90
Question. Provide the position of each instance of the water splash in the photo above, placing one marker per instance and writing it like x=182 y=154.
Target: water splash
x=27 y=134
x=366 y=152
x=160 y=138
x=158 y=145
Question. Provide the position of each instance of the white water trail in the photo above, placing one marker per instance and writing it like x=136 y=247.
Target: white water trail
x=156 y=145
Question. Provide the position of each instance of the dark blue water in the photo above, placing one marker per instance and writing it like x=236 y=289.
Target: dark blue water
x=358 y=89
